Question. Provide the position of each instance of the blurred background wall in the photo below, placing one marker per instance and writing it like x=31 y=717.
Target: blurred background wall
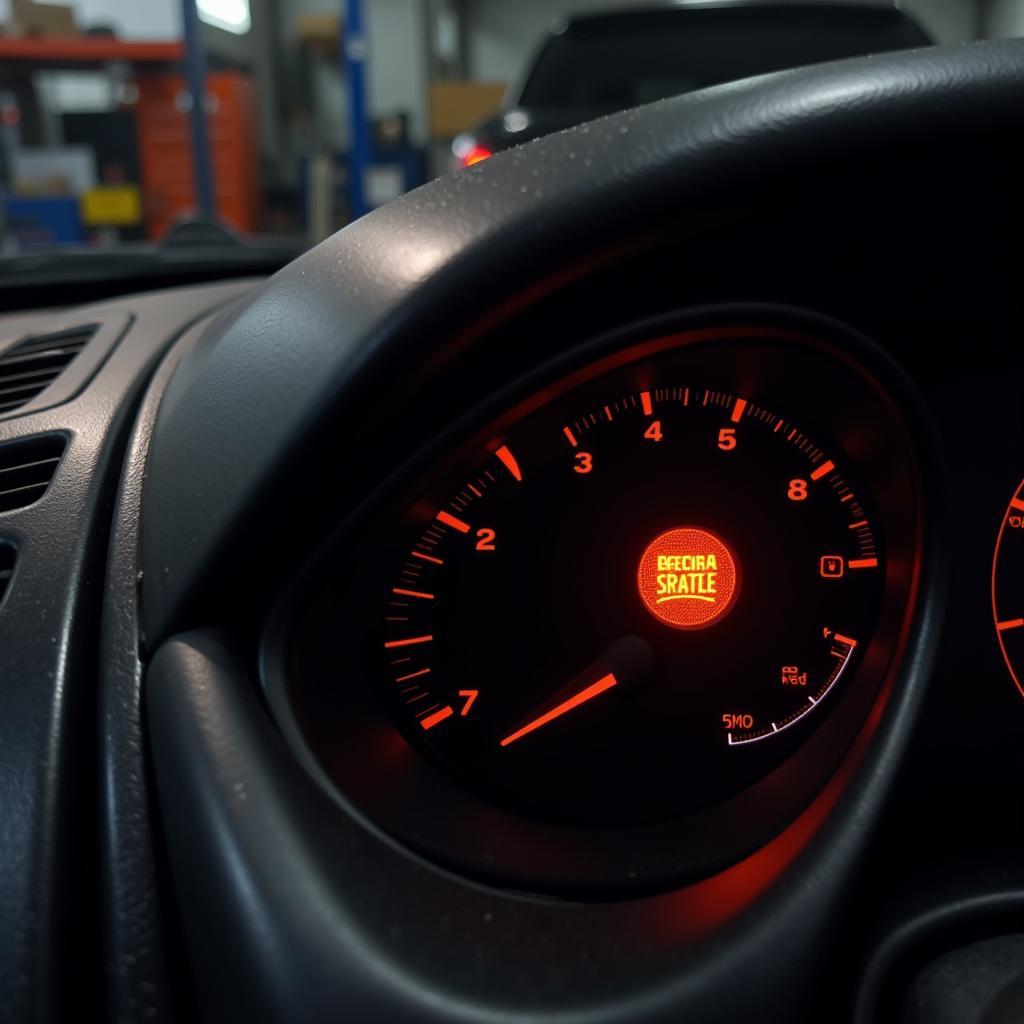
x=432 y=68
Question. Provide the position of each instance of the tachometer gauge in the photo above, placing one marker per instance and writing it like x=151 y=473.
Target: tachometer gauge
x=625 y=621
x=627 y=589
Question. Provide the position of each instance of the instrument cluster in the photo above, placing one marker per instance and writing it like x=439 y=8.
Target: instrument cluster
x=623 y=625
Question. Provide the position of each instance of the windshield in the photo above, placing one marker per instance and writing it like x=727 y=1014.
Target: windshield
x=314 y=112
x=614 y=62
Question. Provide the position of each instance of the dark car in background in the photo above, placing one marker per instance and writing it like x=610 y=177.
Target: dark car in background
x=596 y=64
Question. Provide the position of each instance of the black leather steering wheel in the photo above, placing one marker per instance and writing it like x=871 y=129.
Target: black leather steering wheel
x=279 y=414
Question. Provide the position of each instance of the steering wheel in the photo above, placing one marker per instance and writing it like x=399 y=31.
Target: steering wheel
x=315 y=869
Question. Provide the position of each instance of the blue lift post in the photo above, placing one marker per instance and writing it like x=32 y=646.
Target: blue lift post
x=195 y=77
x=353 y=69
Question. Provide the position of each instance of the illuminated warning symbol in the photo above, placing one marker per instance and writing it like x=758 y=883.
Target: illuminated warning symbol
x=688 y=578
x=832 y=567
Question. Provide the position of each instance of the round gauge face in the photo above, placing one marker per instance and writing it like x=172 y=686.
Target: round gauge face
x=623 y=624
x=1008 y=587
x=630 y=602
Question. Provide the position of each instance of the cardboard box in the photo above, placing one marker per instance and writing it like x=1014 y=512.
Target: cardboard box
x=31 y=19
x=460 y=106
x=320 y=33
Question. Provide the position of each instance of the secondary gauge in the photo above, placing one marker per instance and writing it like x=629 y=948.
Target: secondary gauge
x=1008 y=586
x=659 y=590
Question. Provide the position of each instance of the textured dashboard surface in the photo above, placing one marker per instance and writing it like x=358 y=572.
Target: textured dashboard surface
x=49 y=897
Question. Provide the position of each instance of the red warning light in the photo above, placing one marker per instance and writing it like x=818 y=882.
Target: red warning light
x=688 y=578
x=832 y=567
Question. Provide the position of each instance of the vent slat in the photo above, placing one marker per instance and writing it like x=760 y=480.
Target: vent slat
x=43 y=342
x=19 y=497
x=13 y=404
x=44 y=357
x=30 y=381
x=39 y=359
x=18 y=392
x=49 y=343
x=27 y=469
x=26 y=378
x=8 y=406
x=31 y=472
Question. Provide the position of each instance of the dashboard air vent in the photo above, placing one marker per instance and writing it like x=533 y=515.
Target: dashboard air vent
x=26 y=469
x=30 y=367
x=7 y=557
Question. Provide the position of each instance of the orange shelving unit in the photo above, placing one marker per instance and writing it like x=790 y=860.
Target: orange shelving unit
x=75 y=51
x=162 y=123
x=165 y=149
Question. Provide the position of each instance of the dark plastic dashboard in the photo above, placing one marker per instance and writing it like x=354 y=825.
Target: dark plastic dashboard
x=224 y=458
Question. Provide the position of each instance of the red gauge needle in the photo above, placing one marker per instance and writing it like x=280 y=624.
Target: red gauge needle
x=588 y=693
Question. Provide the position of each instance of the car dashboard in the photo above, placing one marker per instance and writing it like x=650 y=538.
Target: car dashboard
x=586 y=589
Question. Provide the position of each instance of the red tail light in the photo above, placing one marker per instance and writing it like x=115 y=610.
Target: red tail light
x=474 y=155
